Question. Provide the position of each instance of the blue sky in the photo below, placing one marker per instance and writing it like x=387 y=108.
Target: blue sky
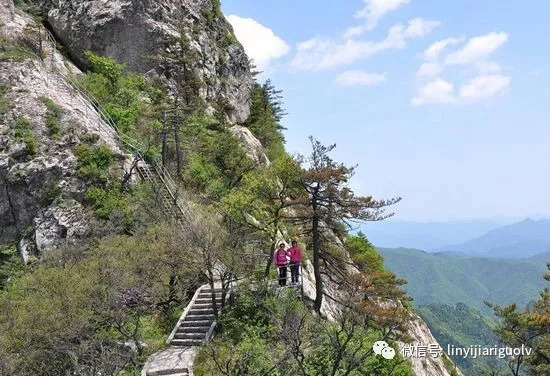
x=444 y=103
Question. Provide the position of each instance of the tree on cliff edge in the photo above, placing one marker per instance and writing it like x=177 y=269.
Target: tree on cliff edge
x=328 y=203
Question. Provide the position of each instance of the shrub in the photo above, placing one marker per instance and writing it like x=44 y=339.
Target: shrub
x=94 y=162
x=24 y=132
x=364 y=254
x=107 y=68
x=106 y=202
x=50 y=192
x=52 y=116
x=4 y=103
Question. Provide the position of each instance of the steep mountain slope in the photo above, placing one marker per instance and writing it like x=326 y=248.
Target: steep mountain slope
x=451 y=279
x=518 y=240
x=462 y=326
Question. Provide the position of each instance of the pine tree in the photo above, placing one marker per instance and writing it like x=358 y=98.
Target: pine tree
x=329 y=204
x=529 y=327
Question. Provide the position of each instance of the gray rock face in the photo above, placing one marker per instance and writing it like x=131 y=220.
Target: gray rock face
x=251 y=145
x=148 y=36
x=40 y=189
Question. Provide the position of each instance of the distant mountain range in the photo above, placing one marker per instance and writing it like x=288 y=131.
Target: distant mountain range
x=454 y=278
x=429 y=236
x=486 y=238
x=518 y=240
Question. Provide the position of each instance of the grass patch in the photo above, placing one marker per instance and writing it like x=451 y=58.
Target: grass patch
x=24 y=132
x=4 y=102
x=53 y=116
x=11 y=51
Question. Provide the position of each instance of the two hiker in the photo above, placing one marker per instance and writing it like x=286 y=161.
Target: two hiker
x=294 y=254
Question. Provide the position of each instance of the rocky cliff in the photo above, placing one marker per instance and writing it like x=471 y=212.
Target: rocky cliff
x=187 y=41
x=41 y=121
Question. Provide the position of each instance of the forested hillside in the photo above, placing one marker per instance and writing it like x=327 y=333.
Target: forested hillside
x=450 y=278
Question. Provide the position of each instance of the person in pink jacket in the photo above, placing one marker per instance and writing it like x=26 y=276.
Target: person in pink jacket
x=280 y=263
x=295 y=254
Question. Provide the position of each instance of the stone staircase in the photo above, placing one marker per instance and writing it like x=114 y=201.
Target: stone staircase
x=167 y=199
x=196 y=325
x=194 y=328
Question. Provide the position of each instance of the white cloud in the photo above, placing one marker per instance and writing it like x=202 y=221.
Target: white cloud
x=473 y=54
x=433 y=52
x=436 y=91
x=429 y=70
x=418 y=27
x=488 y=67
x=374 y=10
x=360 y=78
x=477 y=48
x=260 y=43
x=317 y=54
x=484 y=86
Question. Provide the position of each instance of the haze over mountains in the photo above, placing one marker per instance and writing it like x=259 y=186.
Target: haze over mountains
x=523 y=239
x=484 y=238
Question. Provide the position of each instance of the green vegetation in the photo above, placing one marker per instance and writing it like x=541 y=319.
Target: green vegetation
x=32 y=7
x=105 y=195
x=118 y=92
x=261 y=334
x=24 y=132
x=53 y=116
x=122 y=290
x=4 y=102
x=93 y=163
x=12 y=51
x=529 y=327
x=10 y=264
x=364 y=254
x=462 y=326
x=450 y=279
x=106 y=201
x=50 y=192
x=214 y=13
x=266 y=112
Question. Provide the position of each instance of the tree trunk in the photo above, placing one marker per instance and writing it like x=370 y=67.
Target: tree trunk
x=212 y=291
x=164 y=142
x=272 y=249
x=178 y=147
x=316 y=261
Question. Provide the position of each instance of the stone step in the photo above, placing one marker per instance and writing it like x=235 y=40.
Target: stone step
x=201 y=311
x=208 y=293
x=204 y=305
x=200 y=317
x=207 y=300
x=196 y=323
x=169 y=372
x=193 y=329
x=189 y=336
x=186 y=342
x=209 y=290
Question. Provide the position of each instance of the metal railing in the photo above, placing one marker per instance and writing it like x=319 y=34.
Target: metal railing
x=134 y=146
